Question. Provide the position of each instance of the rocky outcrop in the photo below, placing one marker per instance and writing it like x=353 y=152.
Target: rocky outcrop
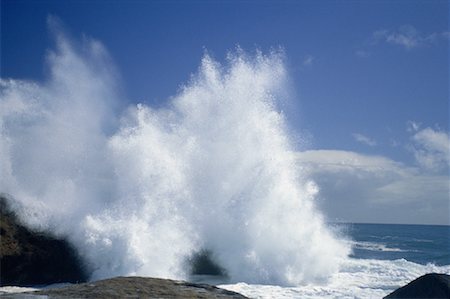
x=133 y=287
x=202 y=263
x=32 y=258
x=428 y=286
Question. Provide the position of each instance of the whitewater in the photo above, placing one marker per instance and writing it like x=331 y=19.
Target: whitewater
x=139 y=190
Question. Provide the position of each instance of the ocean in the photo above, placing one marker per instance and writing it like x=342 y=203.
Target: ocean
x=421 y=244
x=384 y=257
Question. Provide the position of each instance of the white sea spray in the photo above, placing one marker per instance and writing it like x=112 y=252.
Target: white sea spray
x=139 y=191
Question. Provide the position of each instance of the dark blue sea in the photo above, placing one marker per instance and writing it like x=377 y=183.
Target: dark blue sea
x=422 y=244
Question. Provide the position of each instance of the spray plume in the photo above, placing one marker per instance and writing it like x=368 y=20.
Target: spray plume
x=141 y=191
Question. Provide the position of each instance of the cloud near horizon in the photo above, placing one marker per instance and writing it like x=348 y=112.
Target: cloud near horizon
x=365 y=188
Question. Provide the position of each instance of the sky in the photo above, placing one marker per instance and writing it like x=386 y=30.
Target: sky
x=370 y=82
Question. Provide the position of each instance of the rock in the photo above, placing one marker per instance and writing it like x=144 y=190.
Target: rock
x=202 y=263
x=132 y=287
x=32 y=258
x=428 y=286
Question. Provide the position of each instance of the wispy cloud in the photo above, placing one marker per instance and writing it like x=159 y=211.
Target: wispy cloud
x=309 y=59
x=356 y=187
x=408 y=37
x=431 y=149
x=364 y=139
x=412 y=126
x=362 y=53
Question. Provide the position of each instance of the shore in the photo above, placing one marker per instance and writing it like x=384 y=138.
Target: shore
x=131 y=287
x=36 y=258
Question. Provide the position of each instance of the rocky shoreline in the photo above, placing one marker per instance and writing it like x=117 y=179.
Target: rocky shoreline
x=132 y=287
x=30 y=258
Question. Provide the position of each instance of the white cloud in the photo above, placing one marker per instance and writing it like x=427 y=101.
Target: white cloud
x=337 y=161
x=364 y=139
x=356 y=187
x=412 y=126
x=432 y=149
x=408 y=37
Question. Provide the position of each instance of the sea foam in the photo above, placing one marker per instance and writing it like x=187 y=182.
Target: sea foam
x=140 y=190
x=358 y=278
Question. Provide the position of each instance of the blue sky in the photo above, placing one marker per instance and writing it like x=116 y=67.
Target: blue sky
x=370 y=78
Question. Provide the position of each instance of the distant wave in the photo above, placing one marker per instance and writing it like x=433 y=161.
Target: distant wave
x=372 y=246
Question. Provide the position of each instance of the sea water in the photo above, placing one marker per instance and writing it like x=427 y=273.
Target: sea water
x=420 y=244
x=384 y=257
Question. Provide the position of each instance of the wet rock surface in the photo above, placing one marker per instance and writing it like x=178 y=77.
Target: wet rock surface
x=132 y=287
x=32 y=258
x=432 y=285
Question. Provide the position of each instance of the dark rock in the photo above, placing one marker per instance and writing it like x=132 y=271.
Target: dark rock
x=132 y=287
x=32 y=258
x=202 y=263
x=428 y=286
